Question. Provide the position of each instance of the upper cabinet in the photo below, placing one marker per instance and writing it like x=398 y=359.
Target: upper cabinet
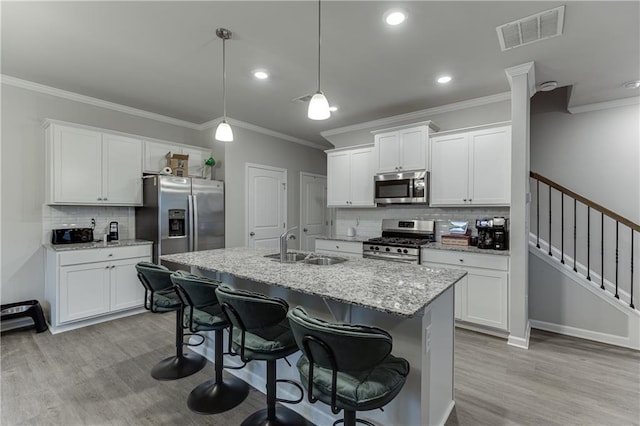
x=403 y=148
x=471 y=168
x=155 y=156
x=350 y=177
x=91 y=167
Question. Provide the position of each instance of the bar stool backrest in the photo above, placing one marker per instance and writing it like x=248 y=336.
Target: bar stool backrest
x=195 y=290
x=255 y=310
x=154 y=277
x=339 y=347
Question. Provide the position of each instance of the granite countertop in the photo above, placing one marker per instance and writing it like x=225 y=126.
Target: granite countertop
x=390 y=287
x=466 y=249
x=96 y=245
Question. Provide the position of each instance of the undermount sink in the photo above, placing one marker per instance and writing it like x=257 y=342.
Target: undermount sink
x=325 y=260
x=300 y=257
x=290 y=258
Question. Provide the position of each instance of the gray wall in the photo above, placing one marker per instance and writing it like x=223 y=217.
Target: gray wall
x=22 y=175
x=596 y=154
x=467 y=117
x=257 y=148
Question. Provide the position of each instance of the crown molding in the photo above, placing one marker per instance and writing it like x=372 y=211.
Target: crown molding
x=41 y=88
x=232 y=121
x=634 y=100
x=419 y=115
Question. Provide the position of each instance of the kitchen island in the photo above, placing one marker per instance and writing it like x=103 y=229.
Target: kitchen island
x=413 y=303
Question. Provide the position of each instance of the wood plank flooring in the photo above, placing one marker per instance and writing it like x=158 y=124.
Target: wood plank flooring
x=99 y=375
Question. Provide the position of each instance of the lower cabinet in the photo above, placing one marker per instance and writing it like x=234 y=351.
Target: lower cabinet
x=93 y=285
x=482 y=296
x=339 y=247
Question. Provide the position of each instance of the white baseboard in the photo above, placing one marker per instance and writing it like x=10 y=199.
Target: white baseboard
x=584 y=334
x=447 y=414
x=97 y=320
x=521 y=342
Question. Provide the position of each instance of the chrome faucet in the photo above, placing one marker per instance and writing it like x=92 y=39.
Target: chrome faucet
x=283 y=243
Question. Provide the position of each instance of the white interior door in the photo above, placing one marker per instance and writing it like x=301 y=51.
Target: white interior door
x=266 y=205
x=313 y=209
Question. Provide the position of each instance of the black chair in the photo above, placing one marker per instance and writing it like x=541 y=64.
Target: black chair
x=348 y=367
x=160 y=297
x=204 y=313
x=261 y=332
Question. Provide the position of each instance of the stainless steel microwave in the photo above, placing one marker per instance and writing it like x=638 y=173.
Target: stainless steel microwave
x=402 y=188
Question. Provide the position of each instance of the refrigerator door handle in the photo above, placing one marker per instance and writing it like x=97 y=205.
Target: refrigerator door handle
x=191 y=219
x=195 y=224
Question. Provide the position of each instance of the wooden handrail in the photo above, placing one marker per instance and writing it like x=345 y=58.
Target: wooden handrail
x=587 y=202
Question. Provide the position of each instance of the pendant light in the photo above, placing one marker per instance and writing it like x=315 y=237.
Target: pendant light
x=318 y=105
x=224 y=132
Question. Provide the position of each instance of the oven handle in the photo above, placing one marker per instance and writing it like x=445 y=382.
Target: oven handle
x=393 y=258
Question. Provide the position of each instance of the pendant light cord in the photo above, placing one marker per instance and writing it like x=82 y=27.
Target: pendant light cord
x=224 y=80
x=319 y=42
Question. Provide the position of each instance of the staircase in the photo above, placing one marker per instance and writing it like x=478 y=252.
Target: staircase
x=581 y=267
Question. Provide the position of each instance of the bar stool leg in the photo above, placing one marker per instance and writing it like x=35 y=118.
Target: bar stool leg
x=181 y=365
x=219 y=394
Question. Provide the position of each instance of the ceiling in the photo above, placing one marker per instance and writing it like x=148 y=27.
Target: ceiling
x=164 y=57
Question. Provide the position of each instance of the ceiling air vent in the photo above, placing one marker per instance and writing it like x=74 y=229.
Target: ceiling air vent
x=533 y=28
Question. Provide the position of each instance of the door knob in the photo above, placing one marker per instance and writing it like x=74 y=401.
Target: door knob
x=251 y=234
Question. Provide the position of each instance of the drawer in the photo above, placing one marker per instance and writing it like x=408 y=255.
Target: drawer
x=353 y=247
x=74 y=257
x=457 y=258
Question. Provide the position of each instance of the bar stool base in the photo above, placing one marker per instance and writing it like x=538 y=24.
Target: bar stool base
x=212 y=397
x=284 y=417
x=177 y=367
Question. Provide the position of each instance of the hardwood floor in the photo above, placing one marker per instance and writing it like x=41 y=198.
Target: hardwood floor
x=99 y=375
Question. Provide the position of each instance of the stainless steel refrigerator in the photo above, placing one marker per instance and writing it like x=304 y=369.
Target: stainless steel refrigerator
x=181 y=214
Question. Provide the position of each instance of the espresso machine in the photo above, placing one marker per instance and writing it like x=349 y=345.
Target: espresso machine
x=492 y=233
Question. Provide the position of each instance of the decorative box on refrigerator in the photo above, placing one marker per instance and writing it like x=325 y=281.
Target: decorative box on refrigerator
x=181 y=214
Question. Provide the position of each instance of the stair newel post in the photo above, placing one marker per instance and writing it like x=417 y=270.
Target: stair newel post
x=617 y=296
x=562 y=227
x=575 y=234
x=537 y=213
x=550 y=254
x=631 y=294
x=589 y=243
x=602 y=250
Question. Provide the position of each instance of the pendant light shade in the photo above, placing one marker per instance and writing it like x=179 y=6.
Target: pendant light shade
x=319 y=105
x=224 y=132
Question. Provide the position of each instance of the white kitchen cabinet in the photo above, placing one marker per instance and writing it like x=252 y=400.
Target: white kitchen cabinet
x=339 y=247
x=403 y=148
x=471 y=168
x=86 y=166
x=88 y=286
x=350 y=177
x=155 y=156
x=482 y=296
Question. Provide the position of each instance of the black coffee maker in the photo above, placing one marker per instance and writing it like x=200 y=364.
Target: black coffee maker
x=492 y=233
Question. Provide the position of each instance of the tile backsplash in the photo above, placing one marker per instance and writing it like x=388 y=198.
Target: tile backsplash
x=54 y=217
x=368 y=222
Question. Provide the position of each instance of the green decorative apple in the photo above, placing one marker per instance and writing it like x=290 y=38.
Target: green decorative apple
x=210 y=162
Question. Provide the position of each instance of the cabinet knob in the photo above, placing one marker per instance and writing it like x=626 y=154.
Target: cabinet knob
x=113 y=266
x=470 y=200
x=461 y=260
x=110 y=254
x=305 y=230
x=465 y=200
x=251 y=234
x=337 y=247
x=99 y=199
x=104 y=199
x=106 y=267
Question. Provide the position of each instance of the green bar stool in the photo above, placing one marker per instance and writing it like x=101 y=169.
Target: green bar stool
x=161 y=297
x=205 y=314
x=261 y=332
x=348 y=367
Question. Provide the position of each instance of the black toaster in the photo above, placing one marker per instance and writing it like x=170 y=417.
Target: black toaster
x=71 y=235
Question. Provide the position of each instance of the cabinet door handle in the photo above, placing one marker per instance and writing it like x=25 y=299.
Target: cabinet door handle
x=104 y=199
x=113 y=266
x=99 y=199
x=338 y=247
x=305 y=230
x=470 y=200
x=110 y=254
x=106 y=267
x=465 y=200
x=461 y=260
x=251 y=234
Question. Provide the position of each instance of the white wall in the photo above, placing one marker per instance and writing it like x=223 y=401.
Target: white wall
x=22 y=176
x=251 y=147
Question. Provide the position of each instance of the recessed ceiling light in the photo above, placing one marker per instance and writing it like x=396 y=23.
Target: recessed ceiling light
x=261 y=74
x=632 y=84
x=444 y=79
x=333 y=108
x=547 y=86
x=395 y=17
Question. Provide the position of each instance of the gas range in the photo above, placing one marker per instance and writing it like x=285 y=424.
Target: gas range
x=400 y=240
